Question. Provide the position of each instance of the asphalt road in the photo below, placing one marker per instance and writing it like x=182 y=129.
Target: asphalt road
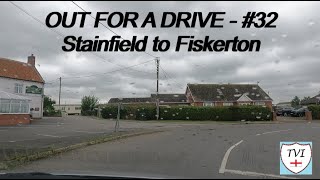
x=45 y=133
x=189 y=151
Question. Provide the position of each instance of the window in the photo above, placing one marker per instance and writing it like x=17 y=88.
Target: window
x=244 y=103
x=260 y=103
x=14 y=106
x=5 y=106
x=78 y=108
x=208 y=104
x=18 y=88
x=63 y=108
x=227 y=104
x=68 y=109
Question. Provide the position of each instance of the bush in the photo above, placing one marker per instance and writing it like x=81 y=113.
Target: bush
x=148 y=112
x=88 y=103
x=315 y=109
x=52 y=113
x=232 y=113
x=137 y=112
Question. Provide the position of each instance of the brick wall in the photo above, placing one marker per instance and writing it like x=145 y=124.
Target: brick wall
x=269 y=104
x=14 y=119
x=197 y=104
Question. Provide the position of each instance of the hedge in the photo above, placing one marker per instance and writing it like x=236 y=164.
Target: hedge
x=315 y=109
x=148 y=112
x=232 y=113
x=52 y=113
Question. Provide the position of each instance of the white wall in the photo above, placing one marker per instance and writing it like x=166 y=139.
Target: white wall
x=8 y=85
x=68 y=108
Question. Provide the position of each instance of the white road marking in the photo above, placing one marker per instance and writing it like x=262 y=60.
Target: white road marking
x=248 y=173
x=89 y=132
x=48 y=135
x=226 y=156
x=270 y=132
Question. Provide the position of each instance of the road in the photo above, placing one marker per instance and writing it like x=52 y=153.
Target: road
x=59 y=132
x=189 y=151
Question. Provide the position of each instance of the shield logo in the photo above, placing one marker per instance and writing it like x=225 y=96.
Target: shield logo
x=296 y=157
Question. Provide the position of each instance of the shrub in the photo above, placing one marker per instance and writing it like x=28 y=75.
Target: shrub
x=52 y=113
x=88 y=103
x=232 y=113
x=315 y=109
x=148 y=112
x=137 y=112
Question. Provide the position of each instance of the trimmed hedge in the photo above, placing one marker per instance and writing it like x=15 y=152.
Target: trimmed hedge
x=315 y=109
x=232 y=113
x=148 y=112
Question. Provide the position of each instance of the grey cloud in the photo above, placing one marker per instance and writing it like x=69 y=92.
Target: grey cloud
x=289 y=53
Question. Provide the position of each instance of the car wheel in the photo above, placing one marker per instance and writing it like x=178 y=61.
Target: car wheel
x=300 y=115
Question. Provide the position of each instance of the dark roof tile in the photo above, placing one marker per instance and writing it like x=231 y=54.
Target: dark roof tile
x=227 y=92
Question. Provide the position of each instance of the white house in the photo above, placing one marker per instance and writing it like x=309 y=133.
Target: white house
x=23 y=79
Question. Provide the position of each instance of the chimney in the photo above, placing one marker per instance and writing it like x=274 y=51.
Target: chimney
x=32 y=60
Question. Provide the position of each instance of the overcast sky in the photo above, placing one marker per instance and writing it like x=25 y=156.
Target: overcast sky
x=287 y=64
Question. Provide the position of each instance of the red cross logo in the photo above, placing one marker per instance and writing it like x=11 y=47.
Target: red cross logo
x=296 y=163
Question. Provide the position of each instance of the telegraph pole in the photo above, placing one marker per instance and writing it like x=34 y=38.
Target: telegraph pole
x=157 y=102
x=116 y=127
x=59 y=93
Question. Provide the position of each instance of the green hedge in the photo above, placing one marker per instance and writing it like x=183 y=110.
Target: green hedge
x=148 y=112
x=233 y=113
x=315 y=109
x=52 y=113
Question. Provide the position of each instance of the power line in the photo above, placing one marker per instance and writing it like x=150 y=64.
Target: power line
x=179 y=85
x=38 y=20
x=51 y=81
x=60 y=34
x=106 y=26
x=72 y=77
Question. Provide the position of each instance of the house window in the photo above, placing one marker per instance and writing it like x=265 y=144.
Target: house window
x=244 y=103
x=68 y=109
x=18 y=88
x=227 y=104
x=208 y=104
x=78 y=108
x=14 y=106
x=260 y=103
x=63 y=108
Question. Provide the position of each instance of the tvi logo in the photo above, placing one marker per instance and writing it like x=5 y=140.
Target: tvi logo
x=296 y=158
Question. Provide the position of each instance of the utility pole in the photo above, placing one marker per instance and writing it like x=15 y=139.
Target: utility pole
x=59 y=93
x=116 y=127
x=157 y=102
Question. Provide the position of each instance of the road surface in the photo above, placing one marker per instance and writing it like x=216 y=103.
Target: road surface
x=189 y=151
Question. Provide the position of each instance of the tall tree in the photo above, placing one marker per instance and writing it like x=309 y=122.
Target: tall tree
x=48 y=104
x=88 y=103
x=295 y=101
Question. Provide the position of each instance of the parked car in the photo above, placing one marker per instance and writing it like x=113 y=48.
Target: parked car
x=299 y=112
x=285 y=111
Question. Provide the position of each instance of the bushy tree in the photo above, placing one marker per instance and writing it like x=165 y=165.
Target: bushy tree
x=48 y=104
x=88 y=103
x=295 y=102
